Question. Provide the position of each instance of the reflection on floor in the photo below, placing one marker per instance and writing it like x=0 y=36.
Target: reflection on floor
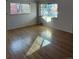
x=39 y=42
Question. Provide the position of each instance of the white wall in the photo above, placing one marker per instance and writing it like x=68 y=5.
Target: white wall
x=21 y=20
x=65 y=18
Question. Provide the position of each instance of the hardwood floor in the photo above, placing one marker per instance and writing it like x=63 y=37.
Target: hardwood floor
x=39 y=42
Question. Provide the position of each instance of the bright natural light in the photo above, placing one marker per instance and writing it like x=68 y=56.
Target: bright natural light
x=46 y=34
x=46 y=18
x=49 y=11
x=38 y=44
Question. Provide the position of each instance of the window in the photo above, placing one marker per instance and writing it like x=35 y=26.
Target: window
x=49 y=11
x=17 y=8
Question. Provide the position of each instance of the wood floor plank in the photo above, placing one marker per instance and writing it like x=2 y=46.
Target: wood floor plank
x=60 y=47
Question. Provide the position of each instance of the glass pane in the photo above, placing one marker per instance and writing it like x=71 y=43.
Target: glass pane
x=49 y=10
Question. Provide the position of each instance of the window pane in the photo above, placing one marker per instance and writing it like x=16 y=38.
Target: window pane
x=49 y=10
